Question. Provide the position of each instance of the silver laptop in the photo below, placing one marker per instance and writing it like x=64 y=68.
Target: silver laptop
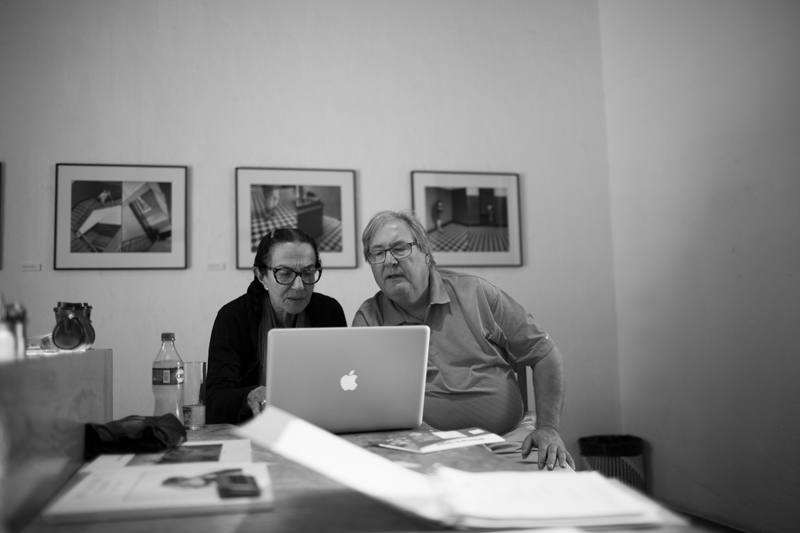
x=349 y=380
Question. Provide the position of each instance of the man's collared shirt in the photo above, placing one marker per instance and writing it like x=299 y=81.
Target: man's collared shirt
x=476 y=331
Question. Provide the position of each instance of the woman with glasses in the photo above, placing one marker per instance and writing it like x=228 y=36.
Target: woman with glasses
x=281 y=295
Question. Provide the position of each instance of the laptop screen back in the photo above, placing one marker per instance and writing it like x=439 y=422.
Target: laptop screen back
x=349 y=379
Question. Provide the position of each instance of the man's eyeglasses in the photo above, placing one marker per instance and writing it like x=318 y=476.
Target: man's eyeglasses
x=286 y=276
x=399 y=251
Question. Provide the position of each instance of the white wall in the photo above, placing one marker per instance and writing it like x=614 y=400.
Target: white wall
x=703 y=109
x=382 y=87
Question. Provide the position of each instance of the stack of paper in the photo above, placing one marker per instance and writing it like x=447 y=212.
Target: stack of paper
x=537 y=499
x=451 y=497
x=181 y=481
x=212 y=451
x=431 y=440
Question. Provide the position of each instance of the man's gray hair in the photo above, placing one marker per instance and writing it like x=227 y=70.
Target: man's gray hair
x=410 y=218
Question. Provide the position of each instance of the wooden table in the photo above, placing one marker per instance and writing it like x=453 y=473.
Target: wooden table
x=307 y=502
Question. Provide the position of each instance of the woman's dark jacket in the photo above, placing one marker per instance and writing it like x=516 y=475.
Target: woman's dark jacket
x=233 y=365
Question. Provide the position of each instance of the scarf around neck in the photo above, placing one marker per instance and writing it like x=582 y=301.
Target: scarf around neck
x=268 y=322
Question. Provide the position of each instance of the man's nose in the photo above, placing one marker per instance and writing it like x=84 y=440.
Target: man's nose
x=390 y=259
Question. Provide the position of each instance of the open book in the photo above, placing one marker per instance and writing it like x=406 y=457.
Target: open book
x=452 y=497
x=431 y=440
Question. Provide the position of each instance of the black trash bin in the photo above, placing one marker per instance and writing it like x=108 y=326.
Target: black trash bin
x=617 y=456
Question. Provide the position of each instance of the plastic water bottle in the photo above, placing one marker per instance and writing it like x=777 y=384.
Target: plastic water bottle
x=168 y=379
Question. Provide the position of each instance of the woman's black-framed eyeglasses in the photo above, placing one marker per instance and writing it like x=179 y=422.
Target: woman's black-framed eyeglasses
x=399 y=251
x=286 y=276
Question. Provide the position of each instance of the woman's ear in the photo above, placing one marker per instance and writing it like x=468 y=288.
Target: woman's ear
x=259 y=276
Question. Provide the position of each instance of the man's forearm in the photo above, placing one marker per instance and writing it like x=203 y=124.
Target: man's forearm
x=548 y=390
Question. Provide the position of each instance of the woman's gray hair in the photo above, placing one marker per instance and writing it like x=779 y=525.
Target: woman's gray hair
x=263 y=259
x=410 y=219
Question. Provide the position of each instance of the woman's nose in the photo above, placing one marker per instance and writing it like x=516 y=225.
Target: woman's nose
x=297 y=284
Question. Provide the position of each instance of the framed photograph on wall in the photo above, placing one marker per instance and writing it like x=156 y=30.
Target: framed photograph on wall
x=120 y=217
x=320 y=202
x=472 y=218
x=2 y=213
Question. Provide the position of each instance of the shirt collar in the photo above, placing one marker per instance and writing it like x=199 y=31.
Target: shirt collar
x=438 y=289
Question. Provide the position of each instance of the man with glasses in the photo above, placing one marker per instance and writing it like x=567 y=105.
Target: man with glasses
x=281 y=295
x=477 y=330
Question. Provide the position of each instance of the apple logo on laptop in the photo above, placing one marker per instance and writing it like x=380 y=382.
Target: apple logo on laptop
x=348 y=381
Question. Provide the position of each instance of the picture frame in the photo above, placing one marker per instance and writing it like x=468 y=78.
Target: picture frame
x=2 y=213
x=472 y=218
x=321 y=202
x=120 y=217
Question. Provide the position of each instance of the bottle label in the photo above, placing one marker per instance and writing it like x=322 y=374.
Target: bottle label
x=168 y=376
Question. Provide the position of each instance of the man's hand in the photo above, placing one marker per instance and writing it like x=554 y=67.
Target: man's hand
x=551 y=448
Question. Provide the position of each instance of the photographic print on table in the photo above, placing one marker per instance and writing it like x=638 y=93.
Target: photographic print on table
x=320 y=202
x=472 y=218
x=120 y=217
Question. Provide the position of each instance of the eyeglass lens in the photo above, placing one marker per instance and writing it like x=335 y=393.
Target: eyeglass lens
x=286 y=276
x=400 y=251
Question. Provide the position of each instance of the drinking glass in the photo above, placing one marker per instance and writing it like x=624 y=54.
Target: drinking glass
x=194 y=392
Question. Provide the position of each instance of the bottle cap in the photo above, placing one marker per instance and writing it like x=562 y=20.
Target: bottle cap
x=167 y=336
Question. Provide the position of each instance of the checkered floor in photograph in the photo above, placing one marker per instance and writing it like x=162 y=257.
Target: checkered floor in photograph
x=459 y=238
x=285 y=216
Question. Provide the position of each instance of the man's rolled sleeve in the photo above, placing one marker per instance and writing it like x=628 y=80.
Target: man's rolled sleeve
x=515 y=329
